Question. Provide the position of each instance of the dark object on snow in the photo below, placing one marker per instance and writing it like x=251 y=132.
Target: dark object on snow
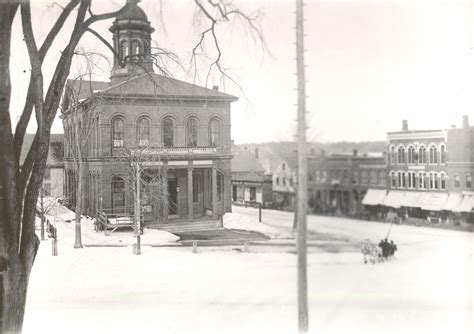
x=393 y=248
x=3 y=264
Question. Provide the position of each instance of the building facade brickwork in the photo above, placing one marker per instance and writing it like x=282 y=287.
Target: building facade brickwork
x=179 y=131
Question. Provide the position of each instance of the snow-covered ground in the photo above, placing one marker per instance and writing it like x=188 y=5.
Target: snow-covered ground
x=426 y=289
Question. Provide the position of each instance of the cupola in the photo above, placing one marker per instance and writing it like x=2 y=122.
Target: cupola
x=132 y=42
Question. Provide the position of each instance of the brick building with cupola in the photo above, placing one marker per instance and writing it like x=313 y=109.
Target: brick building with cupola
x=181 y=129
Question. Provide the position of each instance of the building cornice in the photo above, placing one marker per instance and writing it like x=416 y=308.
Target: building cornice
x=414 y=135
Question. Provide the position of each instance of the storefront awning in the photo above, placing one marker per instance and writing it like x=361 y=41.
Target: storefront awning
x=453 y=202
x=411 y=199
x=374 y=197
x=393 y=199
x=466 y=204
x=433 y=201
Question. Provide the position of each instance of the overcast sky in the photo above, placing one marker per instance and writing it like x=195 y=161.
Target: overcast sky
x=370 y=64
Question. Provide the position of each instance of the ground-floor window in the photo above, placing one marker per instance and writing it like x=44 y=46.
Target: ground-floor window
x=118 y=192
x=253 y=194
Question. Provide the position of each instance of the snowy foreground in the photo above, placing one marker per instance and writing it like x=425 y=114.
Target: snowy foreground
x=426 y=289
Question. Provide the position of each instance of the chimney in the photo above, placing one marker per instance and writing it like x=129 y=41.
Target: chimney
x=465 y=121
x=354 y=152
x=404 y=125
x=256 y=152
x=215 y=88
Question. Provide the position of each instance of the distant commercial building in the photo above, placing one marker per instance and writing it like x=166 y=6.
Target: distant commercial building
x=430 y=174
x=249 y=182
x=337 y=183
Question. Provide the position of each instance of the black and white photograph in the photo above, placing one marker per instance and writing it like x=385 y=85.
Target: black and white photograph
x=236 y=166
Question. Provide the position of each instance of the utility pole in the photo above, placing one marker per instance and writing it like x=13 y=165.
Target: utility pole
x=137 y=248
x=301 y=189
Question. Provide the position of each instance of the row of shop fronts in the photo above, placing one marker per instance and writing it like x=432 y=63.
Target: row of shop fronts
x=443 y=208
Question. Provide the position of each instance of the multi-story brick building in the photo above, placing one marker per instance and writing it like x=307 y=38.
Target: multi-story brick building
x=180 y=129
x=337 y=183
x=430 y=172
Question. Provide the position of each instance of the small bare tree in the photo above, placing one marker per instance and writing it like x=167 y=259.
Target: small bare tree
x=144 y=179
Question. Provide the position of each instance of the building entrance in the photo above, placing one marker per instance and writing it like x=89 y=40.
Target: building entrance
x=172 y=195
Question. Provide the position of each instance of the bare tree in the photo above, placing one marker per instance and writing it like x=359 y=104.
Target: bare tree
x=81 y=120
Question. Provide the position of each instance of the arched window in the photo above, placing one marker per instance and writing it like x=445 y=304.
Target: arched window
x=401 y=155
x=191 y=132
x=124 y=49
x=422 y=155
x=393 y=155
x=143 y=132
x=117 y=132
x=135 y=48
x=168 y=132
x=411 y=154
x=442 y=154
x=433 y=155
x=118 y=193
x=214 y=133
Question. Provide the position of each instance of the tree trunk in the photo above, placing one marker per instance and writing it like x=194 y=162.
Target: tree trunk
x=79 y=193
x=42 y=214
x=15 y=282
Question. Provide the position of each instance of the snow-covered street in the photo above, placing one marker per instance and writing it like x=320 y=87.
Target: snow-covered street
x=426 y=289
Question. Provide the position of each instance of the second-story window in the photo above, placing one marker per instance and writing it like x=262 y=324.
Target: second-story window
x=168 y=132
x=117 y=135
x=468 y=181
x=457 y=181
x=393 y=178
x=143 y=132
x=443 y=181
x=214 y=133
x=192 y=132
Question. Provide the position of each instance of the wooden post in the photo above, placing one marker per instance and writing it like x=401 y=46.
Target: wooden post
x=190 y=194
x=165 y=194
x=195 y=247
x=137 y=248
x=301 y=189
x=260 y=212
x=214 y=193
x=246 y=246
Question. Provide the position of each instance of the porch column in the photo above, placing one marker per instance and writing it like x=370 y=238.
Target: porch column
x=165 y=195
x=214 y=193
x=190 y=194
